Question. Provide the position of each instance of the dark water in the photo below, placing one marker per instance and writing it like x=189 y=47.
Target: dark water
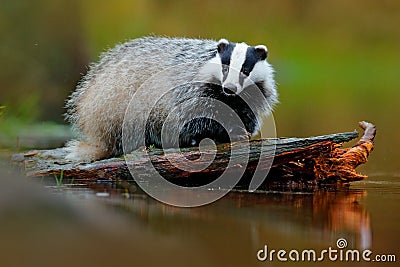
x=231 y=231
x=111 y=224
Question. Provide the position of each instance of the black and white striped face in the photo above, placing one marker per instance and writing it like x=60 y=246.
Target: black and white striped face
x=241 y=66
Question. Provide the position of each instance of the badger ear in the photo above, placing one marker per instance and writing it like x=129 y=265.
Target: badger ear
x=222 y=44
x=262 y=51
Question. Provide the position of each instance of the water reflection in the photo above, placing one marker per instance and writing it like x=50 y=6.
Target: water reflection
x=320 y=217
x=229 y=232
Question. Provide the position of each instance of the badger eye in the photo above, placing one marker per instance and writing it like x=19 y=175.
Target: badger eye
x=225 y=69
x=245 y=71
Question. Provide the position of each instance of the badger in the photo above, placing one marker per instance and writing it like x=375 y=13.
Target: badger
x=108 y=106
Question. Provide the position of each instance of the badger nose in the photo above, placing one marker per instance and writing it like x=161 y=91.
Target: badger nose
x=230 y=89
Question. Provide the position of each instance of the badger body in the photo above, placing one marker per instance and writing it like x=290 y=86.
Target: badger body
x=193 y=73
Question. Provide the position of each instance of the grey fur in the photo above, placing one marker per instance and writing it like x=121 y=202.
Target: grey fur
x=98 y=106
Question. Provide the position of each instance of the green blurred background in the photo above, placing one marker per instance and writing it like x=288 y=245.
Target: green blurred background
x=337 y=62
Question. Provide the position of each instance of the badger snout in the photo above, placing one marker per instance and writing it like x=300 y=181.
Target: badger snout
x=229 y=89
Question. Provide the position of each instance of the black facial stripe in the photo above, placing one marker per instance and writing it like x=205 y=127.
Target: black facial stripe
x=225 y=71
x=226 y=59
x=251 y=59
x=241 y=79
x=226 y=54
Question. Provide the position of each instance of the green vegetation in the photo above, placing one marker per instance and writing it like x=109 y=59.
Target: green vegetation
x=336 y=61
x=17 y=134
x=59 y=179
x=152 y=147
x=2 y=111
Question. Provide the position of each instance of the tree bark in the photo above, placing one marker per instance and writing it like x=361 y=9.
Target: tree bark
x=293 y=163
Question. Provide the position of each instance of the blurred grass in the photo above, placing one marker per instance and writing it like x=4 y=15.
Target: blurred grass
x=18 y=135
x=337 y=62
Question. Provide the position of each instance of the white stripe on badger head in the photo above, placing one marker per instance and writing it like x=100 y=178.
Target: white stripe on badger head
x=237 y=59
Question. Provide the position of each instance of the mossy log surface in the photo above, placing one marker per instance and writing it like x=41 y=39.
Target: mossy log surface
x=295 y=163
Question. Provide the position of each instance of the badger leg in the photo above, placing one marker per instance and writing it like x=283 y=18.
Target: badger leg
x=201 y=128
x=84 y=152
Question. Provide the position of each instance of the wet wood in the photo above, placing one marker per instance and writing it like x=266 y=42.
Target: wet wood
x=296 y=163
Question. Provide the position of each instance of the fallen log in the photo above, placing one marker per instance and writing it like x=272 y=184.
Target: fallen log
x=293 y=163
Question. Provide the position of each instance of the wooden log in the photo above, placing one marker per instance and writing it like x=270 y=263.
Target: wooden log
x=295 y=163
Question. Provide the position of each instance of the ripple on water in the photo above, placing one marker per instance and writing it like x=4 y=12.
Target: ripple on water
x=380 y=184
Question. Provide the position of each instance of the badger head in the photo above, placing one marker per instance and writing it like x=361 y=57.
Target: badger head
x=236 y=66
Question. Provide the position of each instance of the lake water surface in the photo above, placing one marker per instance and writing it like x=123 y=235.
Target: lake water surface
x=134 y=228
